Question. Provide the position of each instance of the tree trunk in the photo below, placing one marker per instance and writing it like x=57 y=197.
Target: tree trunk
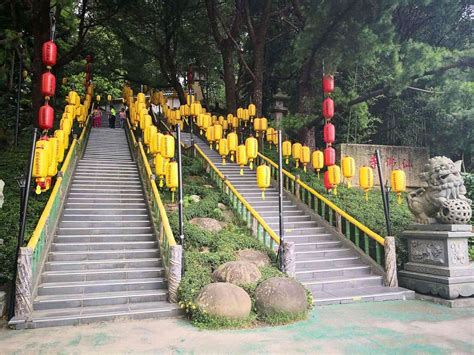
x=258 y=69
x=229 y=77
x=40 y=30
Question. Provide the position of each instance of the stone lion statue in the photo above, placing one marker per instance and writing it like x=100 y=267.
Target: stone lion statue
x=443 y=200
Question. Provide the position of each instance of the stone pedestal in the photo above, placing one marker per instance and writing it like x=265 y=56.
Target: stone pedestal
x=438 y=260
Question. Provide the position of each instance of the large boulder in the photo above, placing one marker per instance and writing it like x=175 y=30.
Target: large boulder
x=210 y=224
x=237 y=273
x=224 y=300
x=256 y=257
x=280 y=295
x=195 y=198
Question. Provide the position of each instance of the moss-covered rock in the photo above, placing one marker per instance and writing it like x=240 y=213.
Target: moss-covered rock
x=224 y=299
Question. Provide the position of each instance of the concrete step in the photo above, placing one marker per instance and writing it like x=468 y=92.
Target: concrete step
x=110 y=204
x=104 y=274
x=101 y=299
x=86 y=315
x=274 y=220
x=105 y=190
x=92 y=167
x=365 y=294
x=303 y=231
x=111 y=238
x=324 y=253
x=102 y=264
x=103 y=223
x=321 y=274
x=104 y=230
x=102 y=254
x=104 y=211
x=61 y=245
x=321 y=245
x=67 y=288
x=100 y=217
x=302 y=239
x=343 y=282
x=95 y=199
x=327 y=262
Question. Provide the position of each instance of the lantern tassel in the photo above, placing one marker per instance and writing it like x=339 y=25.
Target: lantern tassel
x=161 y=182
x=38 y=190
x=241 y=171
x=318 y=173
x=210 y=146
x=297 y=164
x=251 y=165
x=223 y=161
x=286 y=161
x=349 y=184
x=172 y=196
x=263 y=194
x=231 y=157
x=399 y=198
x=304 y=168
x=334 y=191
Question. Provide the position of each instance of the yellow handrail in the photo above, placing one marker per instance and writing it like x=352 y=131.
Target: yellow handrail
x=239 y=196
x=145 y=160
x=379 y=239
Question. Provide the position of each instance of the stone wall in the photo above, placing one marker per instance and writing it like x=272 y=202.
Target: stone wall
x=409 y=159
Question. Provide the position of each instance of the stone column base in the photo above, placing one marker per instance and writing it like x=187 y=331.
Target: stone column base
x=438 y=261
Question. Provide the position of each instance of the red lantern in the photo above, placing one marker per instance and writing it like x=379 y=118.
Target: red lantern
x=89 y=58
x=328 y=108
x=48 y=84
x=328 y=84
x=329 y=133
x=88 y=68
x=46 y=117
x=88 y=77
x=329 y=156
x=327 y=183
x=49 y=53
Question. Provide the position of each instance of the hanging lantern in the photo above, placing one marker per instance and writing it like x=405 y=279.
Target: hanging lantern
x=235 y=122
x=59 y=134
x=160 y=167
x=97 y=98
x=328 y=84
x=329 y=156
x=256 y=126
x=286 y=150
x=269 y=136
x=232 y=142
x=41 y=166
x=334 y=176
x=263 y=178
x=217 y=134
x=317 y=160
x=366 y=179
x=252 y=110
x=240 y=112
x=109 y=98
x=327 y=182
x=210 y=136
x=48 y=84
x=329 y=133
x=223 y=149
x=275 y=138
x=225 y=125
x=230 y=118
x=328 y=108
x=149 y=131
x=296 y=153
x=155 y=143
x=49 y=53
x=242 y=157
x=348 y=169
x=53 y=162
x=45 y=117
x=167 y=146
x=172 y=177
x=251 y=145
x=305 y=156
x=398 y=183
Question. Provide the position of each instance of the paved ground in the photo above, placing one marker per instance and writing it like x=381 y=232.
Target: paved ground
x=369 y=328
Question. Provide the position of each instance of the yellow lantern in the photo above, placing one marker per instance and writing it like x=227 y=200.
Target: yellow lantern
x=251 y=145
x=269 y=136
x=167 y=146
x=245 y=116
x=141 y=97
x=252 y=109
x=172 y=177
x=41 y=166
x=305 y=156
x=366 y=179
x=296 y=153
x=206 y=122
x=263 y=178
x=286 y=150
x=232 y=143
x=210 y=135
x=149 y=131
x=225 y=125
x=230 y=119
x=217 y=134
x=160 y=167
x=59 y=134
x=97 y=98
x=348 y=169
x=53 y=163
x=242 y=157
x=220 y=119
x=317 y=160
x=235 y=122
x=240 y=112
x=109 y=98
x=155 y=142
x=223 y=149
x=398 y=183
x=334 y=174
x=256 y=126
x=199 y=122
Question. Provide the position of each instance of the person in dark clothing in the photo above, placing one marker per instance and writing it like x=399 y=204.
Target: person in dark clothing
x=112 y=118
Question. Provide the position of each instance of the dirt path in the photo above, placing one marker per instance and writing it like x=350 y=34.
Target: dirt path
x=385 y=327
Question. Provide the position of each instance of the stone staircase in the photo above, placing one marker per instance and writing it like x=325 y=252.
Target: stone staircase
x=104 y=262
x=325 y=264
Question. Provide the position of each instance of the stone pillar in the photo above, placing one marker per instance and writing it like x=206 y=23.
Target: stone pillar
x=390 y=279
x=23 y=286
x=438 y=260
x=289 y=258
x=174 y=272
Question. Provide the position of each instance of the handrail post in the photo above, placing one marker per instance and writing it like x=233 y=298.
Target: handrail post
x=281 y=250
x=297 y=187
x=180 y=193
x=390 y=279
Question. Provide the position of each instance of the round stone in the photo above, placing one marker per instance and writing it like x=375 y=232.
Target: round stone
x=237 y=273
x=256 y=257
x=224 y=300
x=280 y=295
x=210 y=224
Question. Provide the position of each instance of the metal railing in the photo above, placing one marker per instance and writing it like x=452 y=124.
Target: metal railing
x=371 y=243
x=44 y=230
x=157 y=208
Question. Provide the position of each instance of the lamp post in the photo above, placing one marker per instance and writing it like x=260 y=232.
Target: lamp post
x=18 y=94
x=180 y=193
x=384 y=191
x=280 y=205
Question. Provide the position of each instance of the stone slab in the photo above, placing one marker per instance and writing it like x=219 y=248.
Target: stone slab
x=438 y=270
x=440 y=227
x=430 y=234
x=463 y=302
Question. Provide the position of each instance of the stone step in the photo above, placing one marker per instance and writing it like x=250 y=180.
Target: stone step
x=86 y=315
x=327 y=262
x=274 y=220
x=83 y=168
x=105 y=190
x=104 y=230
x=104 y=274
x=321 y=274
x=100 y=217
x=98 y=286
x=104 y=211
x=101 y=299
x=111 y=238
x=365 y=294
x=103 y=223
x=93 y=246
x=303 y=231
x=102 y=264
x=102 y=254
x=298 y=239
x=343 y=282
x=96 y=199
x=325 y=253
